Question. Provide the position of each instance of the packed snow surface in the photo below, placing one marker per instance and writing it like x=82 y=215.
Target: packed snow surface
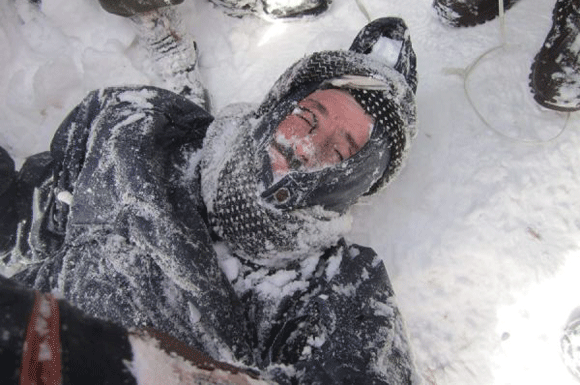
x=480 y=232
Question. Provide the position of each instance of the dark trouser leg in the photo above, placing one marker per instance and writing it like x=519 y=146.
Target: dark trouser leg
x=8 y=212
x=172 y=53
x=16 y=190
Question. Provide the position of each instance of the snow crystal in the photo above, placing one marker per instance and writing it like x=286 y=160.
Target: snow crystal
x=44 y=352
x=365 y=274
x=383 y=309
x=41 y=326
x=44 y=307
x=138 y=98
x=333 y=266
x=280 y=284
x=130 y=119
x=194 y=313
x=348 y=290
x=65 y=197
x=190 y=171
x=317 y=341
x=230 y=267
x=308 y=266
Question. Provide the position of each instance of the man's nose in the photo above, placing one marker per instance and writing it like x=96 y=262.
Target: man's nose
x=304 y=151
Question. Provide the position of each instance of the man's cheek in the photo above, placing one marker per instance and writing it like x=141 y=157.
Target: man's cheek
x=291 y=129
x=278 y=163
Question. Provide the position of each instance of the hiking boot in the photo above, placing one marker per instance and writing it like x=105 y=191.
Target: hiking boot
x=133 y=7
x=273 y=9
x=555 y=72
x=392 y=37
x=172 y=54
x=468 y=13
x=570 y=343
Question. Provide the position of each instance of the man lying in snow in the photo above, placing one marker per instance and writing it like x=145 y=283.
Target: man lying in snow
x=228 y=240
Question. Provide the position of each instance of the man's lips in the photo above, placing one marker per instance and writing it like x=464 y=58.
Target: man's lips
x=284 y=158
x=279 y=163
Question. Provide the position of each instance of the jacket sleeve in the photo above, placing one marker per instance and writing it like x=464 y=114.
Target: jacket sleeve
x=134 y=248
x=347 y=330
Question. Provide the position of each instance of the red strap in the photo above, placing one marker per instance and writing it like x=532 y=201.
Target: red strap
x=41 y=357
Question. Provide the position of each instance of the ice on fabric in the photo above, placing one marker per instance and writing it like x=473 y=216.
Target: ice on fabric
x=44 y=352
x=387 y=50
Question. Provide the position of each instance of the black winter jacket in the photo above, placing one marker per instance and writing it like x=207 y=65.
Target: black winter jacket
x=114 y=232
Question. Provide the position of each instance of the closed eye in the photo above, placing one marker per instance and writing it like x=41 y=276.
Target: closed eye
x=353 y=146
x=340 y=157
x=308 y=116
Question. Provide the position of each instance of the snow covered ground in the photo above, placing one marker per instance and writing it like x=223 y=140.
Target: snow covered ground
x=481 y=231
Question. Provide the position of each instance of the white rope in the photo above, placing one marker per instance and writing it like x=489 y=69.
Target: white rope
x=469 y=69
x=502 y=21
x=363 y=10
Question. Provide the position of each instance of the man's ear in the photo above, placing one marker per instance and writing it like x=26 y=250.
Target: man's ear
x=387 y=40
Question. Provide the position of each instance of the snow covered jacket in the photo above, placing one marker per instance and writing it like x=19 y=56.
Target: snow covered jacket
x=118 y=227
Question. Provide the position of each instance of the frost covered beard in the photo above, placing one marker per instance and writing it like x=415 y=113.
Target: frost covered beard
x=234 y=173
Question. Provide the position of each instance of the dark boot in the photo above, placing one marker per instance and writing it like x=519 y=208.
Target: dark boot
x=172 y=50
x=555 y=73
x=395 y=30
x=172 y=53
x=268 y=9
x=133 y=7
x=570 y=343
x=467 y=13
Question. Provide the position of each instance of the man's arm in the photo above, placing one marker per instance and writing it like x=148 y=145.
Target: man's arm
x=349 y=330
x=131 y=251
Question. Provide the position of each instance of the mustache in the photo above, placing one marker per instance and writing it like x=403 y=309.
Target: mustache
x=294 y=163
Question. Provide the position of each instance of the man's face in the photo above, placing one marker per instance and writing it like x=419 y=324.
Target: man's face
x=326 y=127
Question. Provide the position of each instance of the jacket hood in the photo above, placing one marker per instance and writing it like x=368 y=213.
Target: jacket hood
x=381 y=60
x=263 y=218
